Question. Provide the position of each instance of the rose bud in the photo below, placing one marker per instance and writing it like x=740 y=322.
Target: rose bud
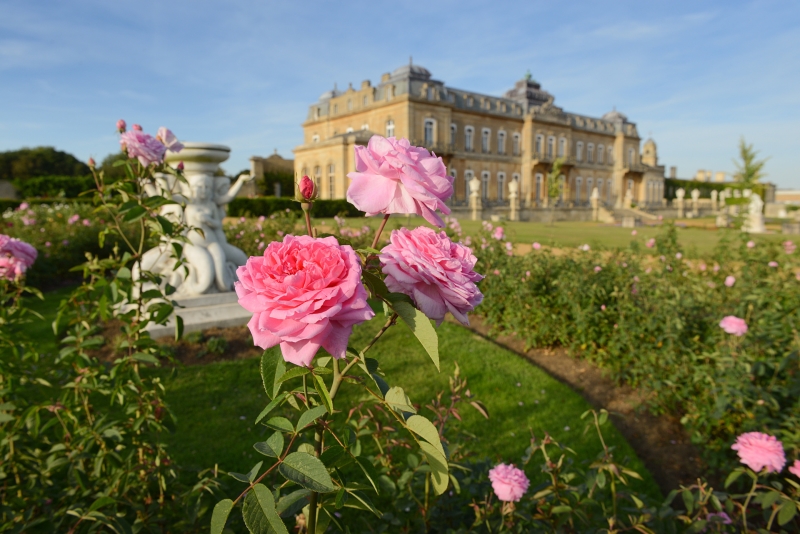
x=308 y=189
x=180 y=166
x=121 y=126
x=91 y=162
x=137 y=127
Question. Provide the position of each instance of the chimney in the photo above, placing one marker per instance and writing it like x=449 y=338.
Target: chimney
x=719 y=177
x=673 y=172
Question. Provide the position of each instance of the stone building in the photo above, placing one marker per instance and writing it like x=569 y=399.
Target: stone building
x=498 y=139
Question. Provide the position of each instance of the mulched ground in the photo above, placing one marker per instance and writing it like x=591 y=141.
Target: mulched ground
x=660 y=441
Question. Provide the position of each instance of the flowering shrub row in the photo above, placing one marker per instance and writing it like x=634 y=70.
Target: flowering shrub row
x=713 y=341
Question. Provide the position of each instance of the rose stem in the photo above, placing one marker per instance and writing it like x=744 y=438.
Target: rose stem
x=308 y=222
x=380 y=231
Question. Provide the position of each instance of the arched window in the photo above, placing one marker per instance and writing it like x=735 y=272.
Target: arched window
x=390 y=128
x=551 y=146
x=579 y=151
x=469 y=132
x=331 y=181
x=589 y=187
x=539 y=146
x=315 y=138
x=453 y=130
x=304 y=171
x=610 y=158
x=562 y=147
x=578 y=186
x=349 y=105
x=600 y=152
x=349 y=129
x=429 y=131
x=485 y=177
x=515 y=148
x=317 y=176
x=631 y=157
x=590 y=153
x=364 y=101
x=486 y=134
x=501 y=185
x=335 y=109
x=316 y=113
x=539 y=180
x=501 y=142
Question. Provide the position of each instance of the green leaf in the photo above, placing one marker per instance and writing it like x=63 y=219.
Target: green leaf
x=144 y=357
x=251 y=476
x=272 y=447
x=134 y=214
x=99 y=503
x=264 y=502
x=293 y=373
x=220 y=515
x=361 y=502
x=369 y=471
x=733 y=476
x=439 y=470
x=421 y=326
x=425 y=429
x=307 y=471
x=274 y=403
x=309 y=416
x=288 y=504
x=398 y=400
x=178 y=327
x=254 y=517
x=272 y=368
x=787 y=512
x=325 y=397
x=280 y=423
x=561 y=509
x=341 y=498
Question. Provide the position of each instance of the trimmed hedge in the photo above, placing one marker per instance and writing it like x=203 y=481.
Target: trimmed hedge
x=54 y=186
x=257 y=206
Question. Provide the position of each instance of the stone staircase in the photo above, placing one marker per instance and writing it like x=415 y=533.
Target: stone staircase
x=205 y=311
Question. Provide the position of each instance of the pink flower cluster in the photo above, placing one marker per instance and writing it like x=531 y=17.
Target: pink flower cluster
x=729 y=281
x=508 y=482
x=146 y=148
x=394 y=177
x=435 y=272
x=761 y=451
x=733 y=325
x=304 y=293
x=650 y=242
x=789 y=247
x=15 y=257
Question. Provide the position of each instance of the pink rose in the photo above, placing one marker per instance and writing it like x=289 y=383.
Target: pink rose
x=795 y=468
x=121 y=126
x=435 y=272
x=498 y=233
x=394 y=177
x=527 y=274
x=169 y=140
x=86 y=222
x=597 y=268
x=585 y=248
x=143 y=146
x=15 y=257
x=23 y=206
x=304 y=293
x=678 y=255
x=137 y=128
x=729 y=281
x=789 y=247
x=91 y=162
x=733 y=325
x=308 y=190
x=10 y=268
x=650 y=243
x=633 y=232
x=73 y=219
x=773 y=264
x=508 y=482
x=757 y=451
x=603 y=307
x=180 y=166
x=751 y=244
x=536 y=246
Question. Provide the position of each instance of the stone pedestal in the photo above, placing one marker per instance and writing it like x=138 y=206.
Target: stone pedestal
x=629 y=221
x=791 y=228
x=204 y=311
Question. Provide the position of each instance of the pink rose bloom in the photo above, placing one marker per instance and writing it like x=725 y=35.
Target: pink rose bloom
x=633 y=232
x=394 y=177
x=585 y=248
x=143 y=146
x=509 y=246
x=597 y=268
x=733 y=325
x=169 y=140
x=773 y=264
x=729 y=281
x=678 y=255
x=751 y=244
x=757 y=451
x=527 y=274
x=498 y=233
x=789 y=247
x=304 y=293
x=435 y=272
x=702 y=266
x=650 y=243
x=496 y=272
x=23 y=206
x=86 y=222
x=795 y=468
x=536 y=246
x=603 y=307
x=20 y=250
x=75 y=218
x=508 y=482
x=11 y=268
x=308 y=190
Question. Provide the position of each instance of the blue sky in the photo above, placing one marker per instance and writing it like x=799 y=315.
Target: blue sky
x=696 y=75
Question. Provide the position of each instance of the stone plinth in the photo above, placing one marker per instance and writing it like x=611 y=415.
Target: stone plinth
x=204 y=311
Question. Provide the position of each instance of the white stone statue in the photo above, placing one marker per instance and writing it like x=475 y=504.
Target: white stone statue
x=474 y=197
x=695 y=202
x=210 y=262
x=513 y=199
x=627 y=202
x=679 y=194
x=754 y=223
x=714 y=195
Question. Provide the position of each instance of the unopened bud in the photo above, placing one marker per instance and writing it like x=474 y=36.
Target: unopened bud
x=121 y=126
x=137 y=127
x=180 y=166
x=308 y=189
x=91 y=162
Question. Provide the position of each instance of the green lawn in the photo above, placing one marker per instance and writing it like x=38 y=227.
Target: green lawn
x=216 y=404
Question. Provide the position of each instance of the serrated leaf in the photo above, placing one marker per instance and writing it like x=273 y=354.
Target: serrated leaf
x=733 y=476
x=280 y=423
x=272 y=447
x=369 y=471
x=290 y=504
x=420 y=325
x=398 y=400
x=425 y=429
x=309 y=416
x=787 y=512
x=293 y=373
x=307 y=471
x=361 y=502
x=438 y=463
x=255 y=517
x=272 y=368
x=274 y=403
x=267 y=503
x=220 y=515
x=325 y=397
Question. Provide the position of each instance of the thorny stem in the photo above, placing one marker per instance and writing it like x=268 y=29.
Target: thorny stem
x=307 y=213
x=389 y=323
x=380 y=231
x=268 y=471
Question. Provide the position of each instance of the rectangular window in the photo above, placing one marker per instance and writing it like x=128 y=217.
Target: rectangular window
x=516 y=145
x=590 y=153
x=468 y=139
x=485 y=141
x=331 y=181
x=428 y=132
x=453 y=134
x=501 y=142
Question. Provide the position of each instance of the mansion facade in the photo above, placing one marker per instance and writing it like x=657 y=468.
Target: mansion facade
x=497 y=139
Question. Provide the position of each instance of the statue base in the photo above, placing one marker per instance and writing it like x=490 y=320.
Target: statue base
x=220 y=310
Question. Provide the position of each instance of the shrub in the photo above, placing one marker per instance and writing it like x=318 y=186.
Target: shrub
x=54 y=186
x=264 y=206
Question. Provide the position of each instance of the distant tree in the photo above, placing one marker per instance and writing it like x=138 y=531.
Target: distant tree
x=111 y=173
x=555 y=184
x=749 y=171
x=267 y=184
x=40 y=161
